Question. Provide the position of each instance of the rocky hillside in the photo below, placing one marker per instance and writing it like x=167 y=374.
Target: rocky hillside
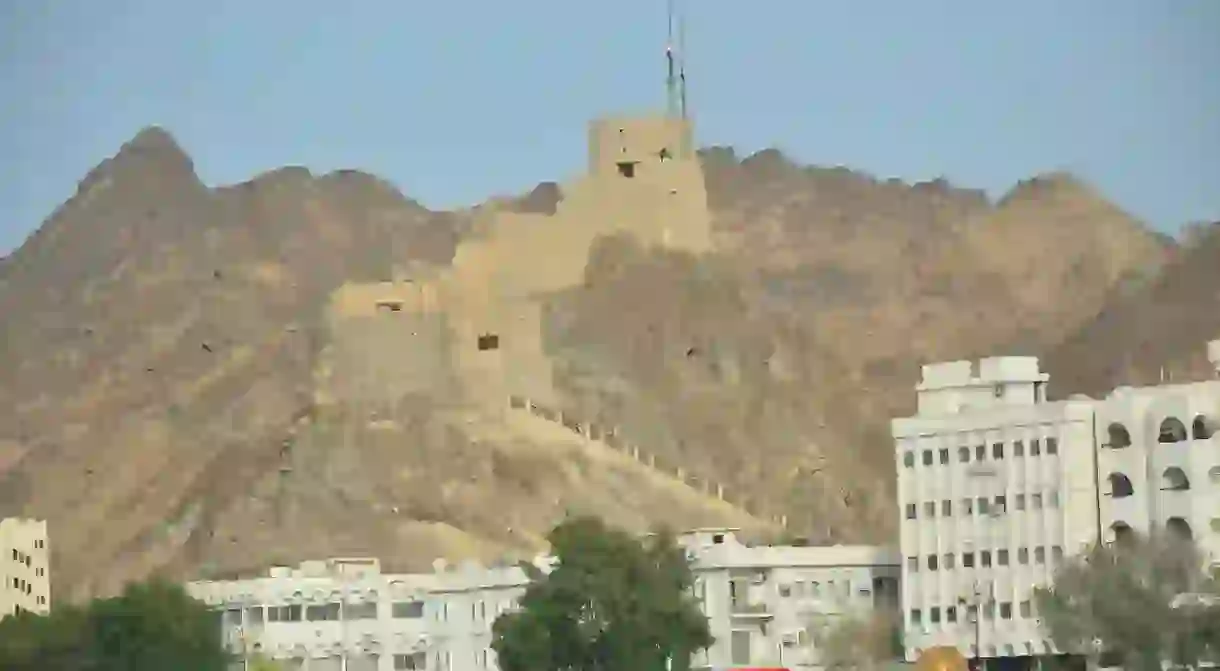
x=1150 y=328
x=158 y=338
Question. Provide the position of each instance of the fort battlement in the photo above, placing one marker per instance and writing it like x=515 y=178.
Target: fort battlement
x=479 y=318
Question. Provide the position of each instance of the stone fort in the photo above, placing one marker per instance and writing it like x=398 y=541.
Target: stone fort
x=474 y=327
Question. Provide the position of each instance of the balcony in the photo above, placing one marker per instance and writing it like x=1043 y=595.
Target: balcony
x=749 y=609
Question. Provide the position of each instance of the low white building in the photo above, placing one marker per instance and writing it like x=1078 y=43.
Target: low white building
x=25 y=567
x=767 y=606
x=996 y=485
x=763 y=605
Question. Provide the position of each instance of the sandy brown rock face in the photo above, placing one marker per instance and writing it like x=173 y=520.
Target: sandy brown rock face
x=159 y=339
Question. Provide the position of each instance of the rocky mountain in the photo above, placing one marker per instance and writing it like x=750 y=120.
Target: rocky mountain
x=159 y=338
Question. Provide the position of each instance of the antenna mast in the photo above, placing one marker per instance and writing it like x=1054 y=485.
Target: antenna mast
x=682 y=62
x=671 y=98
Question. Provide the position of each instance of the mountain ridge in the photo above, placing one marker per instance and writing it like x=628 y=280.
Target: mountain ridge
x=174 y=328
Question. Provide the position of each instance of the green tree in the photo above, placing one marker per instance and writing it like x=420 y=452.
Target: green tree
x=151 y=626
x=1120 y=597
x=858 y=641
x=611 y=603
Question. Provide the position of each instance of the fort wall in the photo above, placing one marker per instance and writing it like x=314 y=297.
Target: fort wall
x=644 y=180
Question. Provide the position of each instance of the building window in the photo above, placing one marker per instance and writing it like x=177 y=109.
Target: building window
x=913 y=564
x=963 y=454
x=985 y=558
x=1018 y=448
x=1005 y=610
x=946 y=508
x=968 y=560
x=1052 y=446
x=488 y=341
x=1022 y=555
x=360 y=611
x=949 y=560
x=929 y=509
x=412 y=662
x=997 y=450
x=1057 y=553
x=1001 y=504
x=284 y=613
x=933 y=562
x=1020 y=502
x=916 y=616
x=908 y=459
x=322 y=613
x=911 y=509
x=406 y=610
x=982 y=505
x=1039 y=555
x=951 y=613
x=944 y=456
x=934 y=615
x=1001 y=557
x=1052 y=498
x=967 y=506
x=1035 y=501
x=927 y=458
x=980 y=452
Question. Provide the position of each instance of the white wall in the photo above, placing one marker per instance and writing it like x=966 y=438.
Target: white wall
x=25 y=567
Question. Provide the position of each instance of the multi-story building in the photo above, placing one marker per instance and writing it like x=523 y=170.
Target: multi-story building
x=24 y=567
x=764 y=606
x=346 y=614
x=996 y=485
x=1158 y=460
x=767 y=606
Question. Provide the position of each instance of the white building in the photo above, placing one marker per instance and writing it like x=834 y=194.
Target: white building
x=767 y=605
x=996 y=485
x=761 y=603
x=1158 y=459
x=25 y=567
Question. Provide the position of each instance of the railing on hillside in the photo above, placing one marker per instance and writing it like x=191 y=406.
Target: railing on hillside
x=612 y=438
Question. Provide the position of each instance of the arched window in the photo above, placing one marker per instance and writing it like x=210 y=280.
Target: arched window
x=1174 y=480
x=1120 y=486
x=1120 y=533
x=1202 y=428
x=1172 y=431
x=1179 y=528
x=1119 y=436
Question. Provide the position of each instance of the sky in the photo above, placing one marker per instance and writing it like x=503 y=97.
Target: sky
x=457 y=101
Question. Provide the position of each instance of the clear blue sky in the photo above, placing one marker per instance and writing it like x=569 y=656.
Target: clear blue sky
x=456 y=101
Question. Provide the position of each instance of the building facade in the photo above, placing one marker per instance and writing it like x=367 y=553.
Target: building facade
x=769 y=606
x=996 y=485
x=25 y=567
x=765 y=605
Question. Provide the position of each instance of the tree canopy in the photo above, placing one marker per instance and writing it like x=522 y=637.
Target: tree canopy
x=1120 y=598
x=612 y=602
x=151 y=626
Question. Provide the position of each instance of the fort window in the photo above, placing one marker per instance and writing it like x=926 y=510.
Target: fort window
x=488 y=341
x=389 y=306
x=626 y=168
